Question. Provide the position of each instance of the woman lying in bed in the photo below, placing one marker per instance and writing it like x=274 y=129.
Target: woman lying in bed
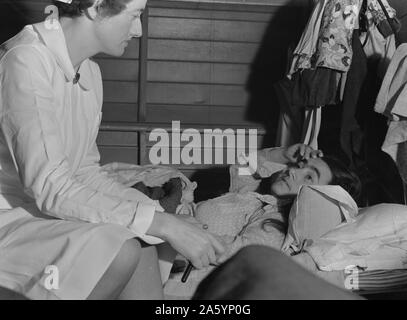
x=243 y=216
x=255 y=211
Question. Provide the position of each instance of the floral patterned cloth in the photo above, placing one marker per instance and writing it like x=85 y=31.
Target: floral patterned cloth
x=334 y=48
x=376 y=10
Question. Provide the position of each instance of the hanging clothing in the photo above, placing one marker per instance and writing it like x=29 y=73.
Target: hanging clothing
x=318 y=87
x=392 y=97
x=392 y=102
x=402 y=160
x=50 y=173
x=323 y=73
x=312 y=127
x=308 y=43
x=291 y=120
x=384 y=25
x=287 y=132
x=380 y=49
x=377 y=13
x=332 y=23
x=316 y=70
x=334 y=48
x=377 y=47
x=327 y=39
x=287 y=135
x=396 y=135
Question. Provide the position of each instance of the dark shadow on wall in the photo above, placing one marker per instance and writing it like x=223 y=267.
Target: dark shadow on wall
x=401 y=8
x=14 y=16
x=270 y=65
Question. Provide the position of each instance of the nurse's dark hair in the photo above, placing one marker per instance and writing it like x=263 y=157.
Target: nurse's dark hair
x=106 y=8
x=343 y=176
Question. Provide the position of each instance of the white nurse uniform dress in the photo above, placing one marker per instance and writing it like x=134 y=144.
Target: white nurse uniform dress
x=56 y=207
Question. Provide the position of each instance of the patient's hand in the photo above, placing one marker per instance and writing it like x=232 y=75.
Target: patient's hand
x=188 y=237
x=299 y=152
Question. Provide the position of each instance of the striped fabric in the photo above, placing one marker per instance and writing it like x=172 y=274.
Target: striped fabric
x=381 y=281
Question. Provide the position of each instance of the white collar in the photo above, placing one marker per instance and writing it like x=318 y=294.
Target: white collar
x=55 y=41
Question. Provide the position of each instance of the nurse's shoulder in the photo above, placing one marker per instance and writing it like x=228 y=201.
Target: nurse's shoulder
x=26 y=46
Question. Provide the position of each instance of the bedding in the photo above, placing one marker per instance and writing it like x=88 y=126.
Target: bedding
x=381 y=281
x=375 y=240
x=365 y=283
x=242 y=219
x=146 y=178
x=238 y=220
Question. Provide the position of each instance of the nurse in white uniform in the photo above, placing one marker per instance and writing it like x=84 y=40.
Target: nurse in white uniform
x=66 y=230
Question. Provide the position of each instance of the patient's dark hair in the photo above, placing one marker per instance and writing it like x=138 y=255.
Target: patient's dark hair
x=343 y=176
x=106 y=8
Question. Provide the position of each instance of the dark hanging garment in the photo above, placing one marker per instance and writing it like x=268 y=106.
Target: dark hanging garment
x=306 y=90
x=284 y=90
x=316 y=88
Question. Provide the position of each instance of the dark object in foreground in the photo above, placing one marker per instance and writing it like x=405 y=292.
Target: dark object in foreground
x=187 y=272
x=7 y=294
x=262 y=273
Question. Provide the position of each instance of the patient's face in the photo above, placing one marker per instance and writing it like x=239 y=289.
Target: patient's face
x=311 y=172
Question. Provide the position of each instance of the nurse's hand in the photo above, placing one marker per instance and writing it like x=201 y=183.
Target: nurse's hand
x=300 y=152
x=188 y=237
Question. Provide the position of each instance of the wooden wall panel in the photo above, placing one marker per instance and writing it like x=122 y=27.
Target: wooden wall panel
x=200 y=29
x=118 y=154
x=118 y=147
x=218 y=14
x=201 y=55
x=196 y=94
x=201 y=51
x=125 y=139
x=207 y=62
x=118 y=70
x=132 y=51
x=120 y=84
x=228 y=115
x=116 y=112
x=197 y=72
x=120 y=91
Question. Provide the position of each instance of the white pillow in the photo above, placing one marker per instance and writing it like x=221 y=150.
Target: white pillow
x=377 y=239
x=315 y=211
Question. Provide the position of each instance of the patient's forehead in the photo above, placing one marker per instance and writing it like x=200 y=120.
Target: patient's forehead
x=321 y=167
